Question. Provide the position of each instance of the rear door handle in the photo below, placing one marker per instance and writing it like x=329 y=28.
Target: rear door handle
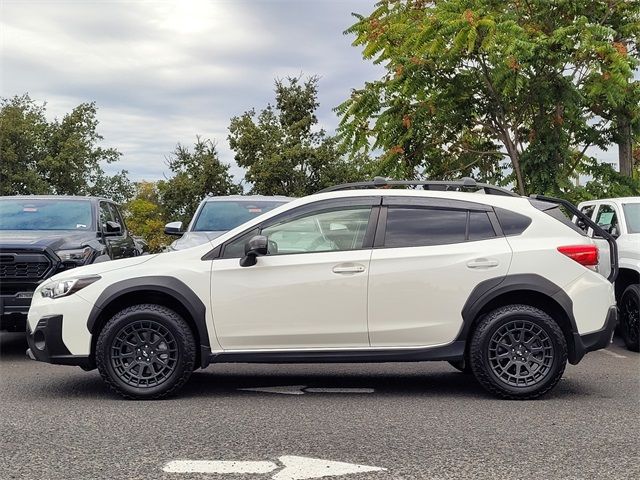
x=346 y=268
x=483 y=263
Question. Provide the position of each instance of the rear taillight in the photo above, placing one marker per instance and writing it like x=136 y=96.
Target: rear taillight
x=586 y=255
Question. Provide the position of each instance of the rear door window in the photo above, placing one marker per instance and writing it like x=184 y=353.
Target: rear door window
x=417 y=227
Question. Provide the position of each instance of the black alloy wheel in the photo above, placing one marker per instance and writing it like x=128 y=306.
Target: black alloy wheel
x=629 y=308
x=146 y=352
x=518 y=352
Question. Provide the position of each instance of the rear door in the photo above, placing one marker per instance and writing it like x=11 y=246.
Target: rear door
x=428 y=256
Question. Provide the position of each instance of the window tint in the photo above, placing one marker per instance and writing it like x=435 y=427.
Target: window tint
x=480 y=227
x=319 y=232
x=512 y=223
x=607 y=219
x=413 y=227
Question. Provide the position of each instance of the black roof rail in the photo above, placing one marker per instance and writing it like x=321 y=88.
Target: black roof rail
x=465 y=183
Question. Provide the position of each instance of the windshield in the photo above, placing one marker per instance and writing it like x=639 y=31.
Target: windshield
x=228 y=214
x=45 y=214
x=632 y=216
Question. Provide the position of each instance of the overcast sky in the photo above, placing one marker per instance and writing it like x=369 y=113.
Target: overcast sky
x=162 y=72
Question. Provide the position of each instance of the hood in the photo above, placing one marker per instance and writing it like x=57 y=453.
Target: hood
x=41 y=239
x=102 y=267
x=193 y=239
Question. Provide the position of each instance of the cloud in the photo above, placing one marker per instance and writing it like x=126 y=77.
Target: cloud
x=162 y=72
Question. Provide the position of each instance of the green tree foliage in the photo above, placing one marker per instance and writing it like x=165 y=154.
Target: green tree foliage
x=474 y=86
x=145 y=216
x=55 y=157
x=197 y=173
x=283 y=151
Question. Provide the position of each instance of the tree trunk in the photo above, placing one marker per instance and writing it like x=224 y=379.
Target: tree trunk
x=625 y=148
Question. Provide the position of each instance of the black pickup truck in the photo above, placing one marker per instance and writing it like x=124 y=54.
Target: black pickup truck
x=44 y=235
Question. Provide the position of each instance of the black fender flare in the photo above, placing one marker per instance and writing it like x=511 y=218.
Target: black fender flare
x=488 y=290
x=168 y=286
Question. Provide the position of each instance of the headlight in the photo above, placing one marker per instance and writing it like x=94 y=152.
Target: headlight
x=77 y=255
x=62 y=288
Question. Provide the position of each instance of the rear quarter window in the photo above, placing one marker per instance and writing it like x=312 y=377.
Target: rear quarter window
x=512 y=223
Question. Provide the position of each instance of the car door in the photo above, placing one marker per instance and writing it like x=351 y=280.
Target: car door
x=123 y=244
x=428 y=256
x=309 y=291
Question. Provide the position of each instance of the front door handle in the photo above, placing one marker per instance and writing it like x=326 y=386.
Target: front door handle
x=483 y=263
x=346 y=268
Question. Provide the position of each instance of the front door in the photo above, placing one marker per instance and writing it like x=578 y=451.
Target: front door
x=310 y=291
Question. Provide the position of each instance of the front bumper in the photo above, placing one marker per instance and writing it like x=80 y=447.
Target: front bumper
x=46 y=345
x=13 y=312
x=597 y=340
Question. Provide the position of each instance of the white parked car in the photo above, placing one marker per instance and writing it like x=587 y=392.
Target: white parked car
x=621 y=218
x=217 y=215
x=494 y=282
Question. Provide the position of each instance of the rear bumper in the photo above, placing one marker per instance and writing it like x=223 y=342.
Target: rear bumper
x=46 y=344
x=597 y=340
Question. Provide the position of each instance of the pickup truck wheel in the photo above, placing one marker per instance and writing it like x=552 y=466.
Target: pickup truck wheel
x=629 y=317
x=518 y=352
x=146 y=352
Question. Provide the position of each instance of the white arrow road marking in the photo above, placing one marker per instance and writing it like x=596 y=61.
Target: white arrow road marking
x=302 y=468
x=218 y=466
x=338 y=390
x=302 y=389
x=284 y=390
x=295 y=468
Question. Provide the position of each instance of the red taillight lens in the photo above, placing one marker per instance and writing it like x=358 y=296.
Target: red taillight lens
x=586 y=255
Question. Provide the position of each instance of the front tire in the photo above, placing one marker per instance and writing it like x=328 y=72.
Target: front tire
x=629 y=317
x=518 y=352
x=146 y=352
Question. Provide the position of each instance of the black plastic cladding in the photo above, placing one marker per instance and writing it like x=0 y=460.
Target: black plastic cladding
x=169 y=286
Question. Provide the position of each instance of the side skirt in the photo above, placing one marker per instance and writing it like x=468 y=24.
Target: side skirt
x=453 y=351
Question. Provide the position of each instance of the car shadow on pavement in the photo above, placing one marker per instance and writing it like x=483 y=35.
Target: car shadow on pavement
x=13 y=346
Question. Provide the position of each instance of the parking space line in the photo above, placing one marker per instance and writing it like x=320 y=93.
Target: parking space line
x=613 y=354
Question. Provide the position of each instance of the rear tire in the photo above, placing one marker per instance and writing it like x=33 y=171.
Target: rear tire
x=518 y=352
x=629 y=318
x=146 y=352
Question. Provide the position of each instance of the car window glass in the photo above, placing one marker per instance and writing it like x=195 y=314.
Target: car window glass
x=235 y=248
x=224 y=215
x=588 y=211
x=480 y=227
x=607 y=218
x=319 y=232
x=105 y=215
x=632 y=214
x=414 y=227
x=117 y=217
x=45 y=214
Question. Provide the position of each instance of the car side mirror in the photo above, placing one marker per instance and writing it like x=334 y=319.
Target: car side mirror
x=174 y=228
x=257 y=245
x=112 y=228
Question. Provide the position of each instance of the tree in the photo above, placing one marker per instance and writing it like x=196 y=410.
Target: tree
x=469 y=83
x=196 y=174
x=283 y=151
x=56 y=157
x=146 y=217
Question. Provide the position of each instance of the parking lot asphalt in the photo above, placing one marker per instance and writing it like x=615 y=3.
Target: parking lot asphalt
x=415 y=421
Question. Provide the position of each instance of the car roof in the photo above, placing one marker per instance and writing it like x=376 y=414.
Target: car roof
x=618 y=199
x=249 y=198
x=505 y=201
x=57 y=197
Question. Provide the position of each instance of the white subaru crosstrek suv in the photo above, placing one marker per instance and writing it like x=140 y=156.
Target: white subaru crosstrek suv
x=502 y=285
x=621 y=218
